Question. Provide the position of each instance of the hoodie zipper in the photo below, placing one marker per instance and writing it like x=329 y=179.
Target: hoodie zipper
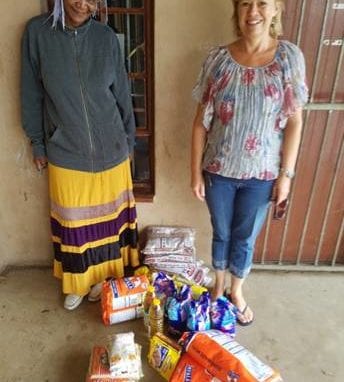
x=83 y=101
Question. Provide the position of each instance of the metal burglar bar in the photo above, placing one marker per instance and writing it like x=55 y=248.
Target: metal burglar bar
x=315 y=80
x=333 y=186
x=298 y=40
x=331 y=108
x=328 y=107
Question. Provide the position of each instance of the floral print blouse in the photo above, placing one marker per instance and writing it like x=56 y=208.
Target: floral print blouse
x=246 y=110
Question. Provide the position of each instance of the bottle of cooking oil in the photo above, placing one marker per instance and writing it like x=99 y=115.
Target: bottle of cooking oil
x=156 y=317
x=147 y=302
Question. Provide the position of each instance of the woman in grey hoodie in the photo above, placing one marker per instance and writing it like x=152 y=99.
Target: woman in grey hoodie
x=77 y=113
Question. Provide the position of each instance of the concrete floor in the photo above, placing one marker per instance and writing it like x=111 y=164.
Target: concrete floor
x=299 y=328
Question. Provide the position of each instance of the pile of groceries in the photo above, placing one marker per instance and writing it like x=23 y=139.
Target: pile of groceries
x=191 y=338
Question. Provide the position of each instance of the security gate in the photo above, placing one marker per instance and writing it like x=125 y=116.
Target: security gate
x=312 y=235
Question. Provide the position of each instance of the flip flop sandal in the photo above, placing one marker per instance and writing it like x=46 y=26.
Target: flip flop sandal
x=242 y=312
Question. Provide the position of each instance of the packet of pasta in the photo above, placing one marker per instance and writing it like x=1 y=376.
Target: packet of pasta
x=124 y=356
x=226 y=359
x=99 y=368
x=163 y=355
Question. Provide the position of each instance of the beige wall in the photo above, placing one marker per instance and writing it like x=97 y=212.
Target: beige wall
x=24 y=224
x=184 y=31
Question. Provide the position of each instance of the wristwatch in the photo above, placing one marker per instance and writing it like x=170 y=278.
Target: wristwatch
x=288 y=173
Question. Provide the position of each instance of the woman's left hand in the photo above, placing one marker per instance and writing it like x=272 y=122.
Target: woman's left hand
x=281 y=189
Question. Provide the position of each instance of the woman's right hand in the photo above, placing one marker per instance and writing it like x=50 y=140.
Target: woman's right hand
x=198 y=188
x=197 y=147
x=40 y=162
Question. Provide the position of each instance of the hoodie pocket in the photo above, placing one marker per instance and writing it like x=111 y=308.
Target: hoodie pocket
x=114 y=141
x=71 y=139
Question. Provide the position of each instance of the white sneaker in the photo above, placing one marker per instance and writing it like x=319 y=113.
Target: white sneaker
x=72 y=301
x=95 y=293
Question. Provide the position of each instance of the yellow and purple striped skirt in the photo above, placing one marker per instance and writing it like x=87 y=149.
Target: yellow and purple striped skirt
x=94 y=225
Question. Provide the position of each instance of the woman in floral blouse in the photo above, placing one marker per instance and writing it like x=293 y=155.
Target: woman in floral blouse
x=246 y=136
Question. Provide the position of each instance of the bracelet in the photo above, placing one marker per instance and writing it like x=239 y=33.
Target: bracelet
x=288 y=173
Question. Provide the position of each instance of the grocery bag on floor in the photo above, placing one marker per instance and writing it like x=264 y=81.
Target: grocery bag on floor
x=189 y=370
x=223 y=315
x=170 y=240
x=124 y=356
x=163 y=355
x=226 y=359
x=122 y=298
x=99 y=368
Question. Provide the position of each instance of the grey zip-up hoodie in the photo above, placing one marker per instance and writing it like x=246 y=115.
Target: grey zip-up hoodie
x=76 y=104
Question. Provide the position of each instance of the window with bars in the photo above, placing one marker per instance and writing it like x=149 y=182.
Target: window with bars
x=132 y=21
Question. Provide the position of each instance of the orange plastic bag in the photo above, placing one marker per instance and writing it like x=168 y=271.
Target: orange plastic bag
x=189 y=370
x=226 y=359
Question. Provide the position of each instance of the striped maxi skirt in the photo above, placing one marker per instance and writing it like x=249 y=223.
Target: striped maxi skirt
x=94 y=226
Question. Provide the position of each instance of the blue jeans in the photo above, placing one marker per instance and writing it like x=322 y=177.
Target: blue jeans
x=237 y=209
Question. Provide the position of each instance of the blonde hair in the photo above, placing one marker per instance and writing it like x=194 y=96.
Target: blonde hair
x=276 y=28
